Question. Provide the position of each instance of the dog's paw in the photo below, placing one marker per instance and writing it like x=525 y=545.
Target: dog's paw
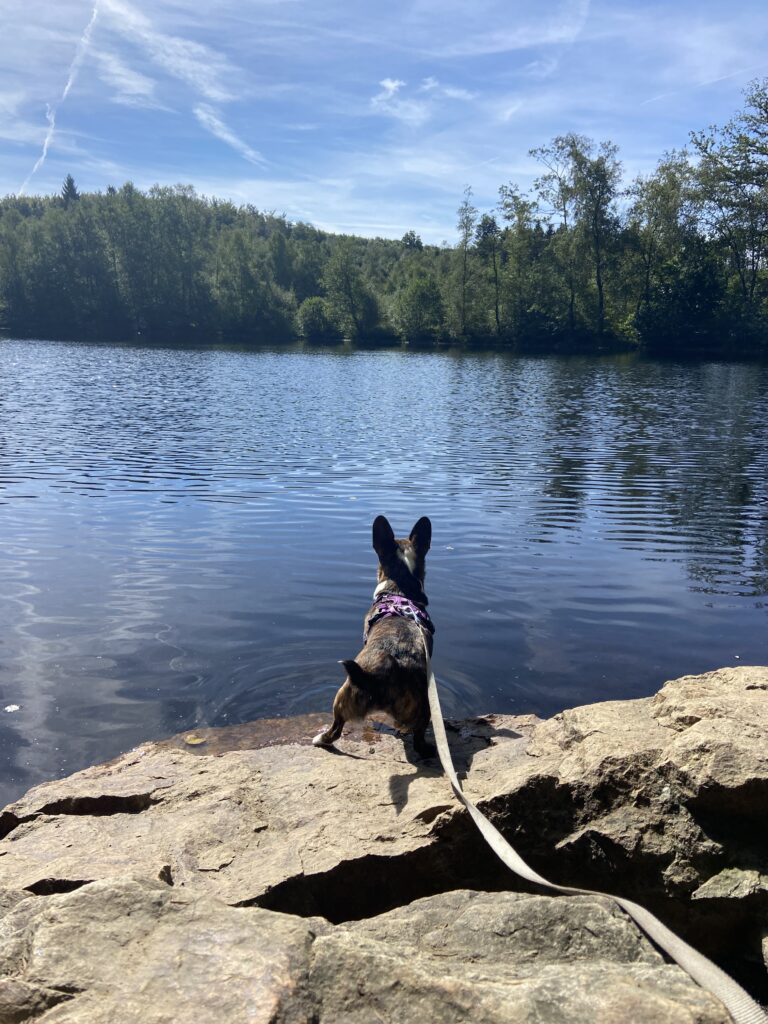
x=320 y=740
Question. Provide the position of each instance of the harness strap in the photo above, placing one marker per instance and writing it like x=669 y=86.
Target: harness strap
x=397 y=606
x=709 y=976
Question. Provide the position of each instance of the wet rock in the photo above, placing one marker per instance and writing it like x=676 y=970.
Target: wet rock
x=271 y=825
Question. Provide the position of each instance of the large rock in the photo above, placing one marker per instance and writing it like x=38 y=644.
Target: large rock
x=121 y=951
x=663 y=800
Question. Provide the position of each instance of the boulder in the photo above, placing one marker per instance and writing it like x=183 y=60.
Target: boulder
x=662 y=799
x=124 y=950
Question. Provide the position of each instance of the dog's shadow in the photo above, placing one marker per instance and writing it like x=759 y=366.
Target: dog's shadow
x=465 y=739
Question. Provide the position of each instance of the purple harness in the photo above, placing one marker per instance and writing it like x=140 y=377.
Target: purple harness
x=393 y=606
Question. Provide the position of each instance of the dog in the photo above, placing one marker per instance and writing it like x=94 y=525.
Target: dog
x=390 y=672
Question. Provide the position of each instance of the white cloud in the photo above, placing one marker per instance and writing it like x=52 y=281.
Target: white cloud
x=213 y=123
x=388 y=101
x=561 y=27
x=542 y=68
x=452 y=92
x=415 y=112
x=389 y=86
x=435 y=88
x=132 y=88
x=197 y=65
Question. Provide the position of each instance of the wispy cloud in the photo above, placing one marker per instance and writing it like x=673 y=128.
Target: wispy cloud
x=436 y=88
x=50 y=114
x=213 y=123
x=131 y=88
x=13 y=127
x=415 y=111
x=389 y=102
x=197 y=65
x=464 y=91
x=559 y=27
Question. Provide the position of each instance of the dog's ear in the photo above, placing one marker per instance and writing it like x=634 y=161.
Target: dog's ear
x=384 y=543
x=421 y=535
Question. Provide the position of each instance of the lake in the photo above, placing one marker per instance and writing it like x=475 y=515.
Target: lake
x=186 y=532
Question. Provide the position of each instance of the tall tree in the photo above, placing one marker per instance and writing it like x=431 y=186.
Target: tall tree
x=596 y=177
x=557 y=191
x=488 y=243
x=69 y=191
x=660 y=217
x=352 y=305
x=733 y=188
x=466 y=224
x=417 y=311
x=525 y=279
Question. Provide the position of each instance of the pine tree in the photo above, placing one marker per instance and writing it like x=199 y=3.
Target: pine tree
x=69 y=191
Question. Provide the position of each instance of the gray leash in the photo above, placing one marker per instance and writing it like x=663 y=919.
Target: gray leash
x=739 y=1004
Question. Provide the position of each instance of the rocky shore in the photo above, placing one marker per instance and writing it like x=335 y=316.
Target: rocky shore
x=233 y=881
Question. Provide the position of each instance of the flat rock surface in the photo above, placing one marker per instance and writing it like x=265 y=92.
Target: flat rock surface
x=662 y=799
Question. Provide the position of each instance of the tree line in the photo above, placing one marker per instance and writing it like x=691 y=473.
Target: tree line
x=673 y=263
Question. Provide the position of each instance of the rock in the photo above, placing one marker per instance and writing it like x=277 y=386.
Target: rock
x=127 y=951
x=123 y=950
x=500 y=958
x=662 y=799
x=268 y=826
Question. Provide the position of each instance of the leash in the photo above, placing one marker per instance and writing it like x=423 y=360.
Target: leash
x=708 y=975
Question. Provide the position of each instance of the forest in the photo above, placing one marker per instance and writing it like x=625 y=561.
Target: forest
x=672 y=263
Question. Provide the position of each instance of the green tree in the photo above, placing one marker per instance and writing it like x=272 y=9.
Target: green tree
x=557 y=191
x=489 y=249
x=531 y=283
x=417 y=310
x=69 y=191
x=352 y=305
x=467 y=222
x=661 y=217
x=315 y=323
x=732 y=180
x=596 y=176
x=411 y=240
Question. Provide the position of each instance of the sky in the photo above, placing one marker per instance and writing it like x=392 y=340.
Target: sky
x=357 y=117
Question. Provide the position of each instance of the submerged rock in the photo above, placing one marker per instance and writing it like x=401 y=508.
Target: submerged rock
x=663 y=800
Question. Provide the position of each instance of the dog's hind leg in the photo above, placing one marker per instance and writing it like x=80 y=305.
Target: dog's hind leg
x=420 y=744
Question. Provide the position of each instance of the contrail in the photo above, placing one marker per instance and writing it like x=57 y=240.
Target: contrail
x=50 y=113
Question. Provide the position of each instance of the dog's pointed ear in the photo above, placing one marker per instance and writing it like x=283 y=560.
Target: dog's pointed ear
x=384 y=543
x=421 y=535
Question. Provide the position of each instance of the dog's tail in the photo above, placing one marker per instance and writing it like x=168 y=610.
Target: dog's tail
x=369 y=682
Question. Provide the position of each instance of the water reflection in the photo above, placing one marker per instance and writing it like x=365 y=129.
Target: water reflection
x=186 y=532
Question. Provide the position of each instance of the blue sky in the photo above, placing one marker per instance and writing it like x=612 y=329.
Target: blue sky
x=356 y=116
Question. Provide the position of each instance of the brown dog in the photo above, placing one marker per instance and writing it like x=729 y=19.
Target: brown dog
x=389 y=674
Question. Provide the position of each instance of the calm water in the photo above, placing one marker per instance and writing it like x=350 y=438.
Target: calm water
x=186 y=533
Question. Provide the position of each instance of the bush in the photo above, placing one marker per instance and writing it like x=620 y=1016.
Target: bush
x=314 y=322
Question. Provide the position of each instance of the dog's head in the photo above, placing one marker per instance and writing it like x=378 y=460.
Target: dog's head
x=402 y=561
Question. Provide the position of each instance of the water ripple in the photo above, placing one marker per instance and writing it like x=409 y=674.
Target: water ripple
x=186 y=533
